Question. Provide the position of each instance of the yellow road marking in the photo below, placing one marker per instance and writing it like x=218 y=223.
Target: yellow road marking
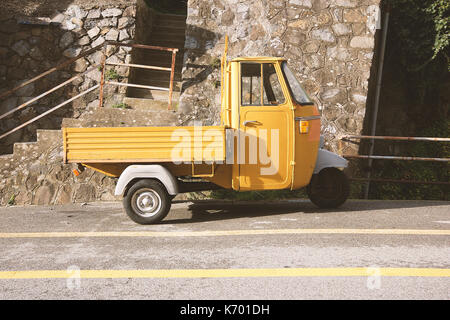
x=221 y=233
x=228 y=273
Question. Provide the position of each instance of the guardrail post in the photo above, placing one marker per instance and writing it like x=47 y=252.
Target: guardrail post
x=172 y=74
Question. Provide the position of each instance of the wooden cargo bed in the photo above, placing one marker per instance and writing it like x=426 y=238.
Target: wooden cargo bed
x=144 y=144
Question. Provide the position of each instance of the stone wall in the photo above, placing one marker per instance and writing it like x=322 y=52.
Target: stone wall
x=28 y=49
x=329 y=44
x=35 y=172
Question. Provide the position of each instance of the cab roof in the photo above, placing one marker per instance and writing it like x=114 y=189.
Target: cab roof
x=258 y=59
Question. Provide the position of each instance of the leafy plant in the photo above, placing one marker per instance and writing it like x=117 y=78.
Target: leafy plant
x=121 y=106
x=423 y=31
x=417 y=170
x=216 y=63
x=112 y=74
x=12 y=200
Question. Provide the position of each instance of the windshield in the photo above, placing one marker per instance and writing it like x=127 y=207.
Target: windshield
x=296 y=89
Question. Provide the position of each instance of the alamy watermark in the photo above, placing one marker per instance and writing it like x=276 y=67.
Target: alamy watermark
x=374 y=278
x=73 y=281
x=252 y=147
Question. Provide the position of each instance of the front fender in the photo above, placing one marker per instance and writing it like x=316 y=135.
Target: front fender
x=327 y=159
x=153 y=171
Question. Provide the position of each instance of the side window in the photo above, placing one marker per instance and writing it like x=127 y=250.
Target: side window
x=260 y=85
x=251 y=84
x=272 y=87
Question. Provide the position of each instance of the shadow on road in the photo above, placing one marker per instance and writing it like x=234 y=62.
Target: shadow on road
x=203 y=211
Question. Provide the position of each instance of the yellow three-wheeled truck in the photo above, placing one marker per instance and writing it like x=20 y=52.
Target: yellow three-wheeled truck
x=269 y=139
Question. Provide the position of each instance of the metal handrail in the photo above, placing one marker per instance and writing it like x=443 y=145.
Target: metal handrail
x=102 y=81
x=50 y=71
x=49 y=111
x=47 y=92
x=82 y=55
x=141 y=46
x=395 y=158
x=391 y=138
x=397 y=138
x=377 y=157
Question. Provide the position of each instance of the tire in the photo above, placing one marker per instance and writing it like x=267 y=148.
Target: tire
x=328 y=189
x=147 y=202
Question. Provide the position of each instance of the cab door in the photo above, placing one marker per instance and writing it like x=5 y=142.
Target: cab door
x=265 y=147
x=306 y=131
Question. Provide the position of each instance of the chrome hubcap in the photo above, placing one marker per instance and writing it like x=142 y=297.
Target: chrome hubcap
x=146 y=202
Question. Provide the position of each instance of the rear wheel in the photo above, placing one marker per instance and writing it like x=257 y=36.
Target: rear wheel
x=147 y=202
x=328 y=189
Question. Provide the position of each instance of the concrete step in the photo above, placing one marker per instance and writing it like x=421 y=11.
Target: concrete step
x=154 y=75
x=162 y=54
x=111 y=117
x=6 y=162
x=157 y=74
x=48 y=138
x=144 y=104
x=163 y=29
x=45 y=134
x=23 y=149
x=163 y=61
x=170 y=23
x=159 y=82
x=169 y=33
x=156 y=95
x=178 y=36
x=167 y=43
x=172 y=17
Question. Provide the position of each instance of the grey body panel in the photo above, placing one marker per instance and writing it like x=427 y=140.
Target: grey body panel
x=327 y=159
x=153 y=171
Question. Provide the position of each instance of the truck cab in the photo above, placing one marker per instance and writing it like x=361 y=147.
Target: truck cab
x=277 y=124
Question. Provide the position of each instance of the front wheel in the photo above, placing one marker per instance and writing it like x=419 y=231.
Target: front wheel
x=328 y=189
x=147 y=202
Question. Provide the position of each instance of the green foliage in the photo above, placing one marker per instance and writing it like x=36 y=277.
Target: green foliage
x=418 y=170
x=423 y=28
x=216 y=63
x=12 y=200
x=418 y=49
x=440 y=11
x=121 y=106
x=112 y=74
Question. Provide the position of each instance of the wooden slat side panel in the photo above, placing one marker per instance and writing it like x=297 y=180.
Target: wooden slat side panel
x=146 y=144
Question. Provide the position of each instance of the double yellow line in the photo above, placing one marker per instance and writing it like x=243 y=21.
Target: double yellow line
x=226 y=273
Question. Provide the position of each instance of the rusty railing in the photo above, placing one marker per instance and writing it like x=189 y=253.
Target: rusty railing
x=370 y=157
x=98 y=85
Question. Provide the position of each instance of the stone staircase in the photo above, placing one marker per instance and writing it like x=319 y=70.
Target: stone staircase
x=35 y=173
x=168 y=31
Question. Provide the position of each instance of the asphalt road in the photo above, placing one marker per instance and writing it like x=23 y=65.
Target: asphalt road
x=283 y=250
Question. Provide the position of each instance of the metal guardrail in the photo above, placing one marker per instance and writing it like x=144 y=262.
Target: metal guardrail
x=350 y=139
x=100 y=85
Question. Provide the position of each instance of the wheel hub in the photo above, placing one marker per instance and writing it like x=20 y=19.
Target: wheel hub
x=146 y=202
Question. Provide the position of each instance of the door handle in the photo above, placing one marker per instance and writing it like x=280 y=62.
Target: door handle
x=250 y=121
